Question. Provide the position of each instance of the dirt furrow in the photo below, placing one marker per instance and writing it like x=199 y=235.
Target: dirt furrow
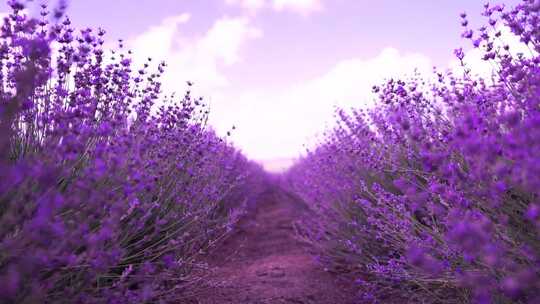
x=262 y=262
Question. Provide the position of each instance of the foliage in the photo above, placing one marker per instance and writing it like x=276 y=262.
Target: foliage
x=109 y=191
x=432 y=196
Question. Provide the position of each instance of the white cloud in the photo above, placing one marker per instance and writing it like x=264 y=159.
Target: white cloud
x=197 y=59
x=302 y=7
x=249 y=5
x=224 y=39
x=159 y=40
x=276 y=124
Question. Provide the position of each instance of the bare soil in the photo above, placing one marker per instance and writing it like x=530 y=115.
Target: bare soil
x=262 y=262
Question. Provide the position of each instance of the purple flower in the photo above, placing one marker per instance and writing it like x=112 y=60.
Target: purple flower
x=533 y=212
x=459 y=53
x=467 y=34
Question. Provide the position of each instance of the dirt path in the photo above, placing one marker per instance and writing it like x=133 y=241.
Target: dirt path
x=262 y=262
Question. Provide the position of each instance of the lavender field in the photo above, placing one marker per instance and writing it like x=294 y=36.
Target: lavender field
x=115 y=190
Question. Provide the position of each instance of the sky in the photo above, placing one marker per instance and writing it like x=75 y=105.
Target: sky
x=277 y=69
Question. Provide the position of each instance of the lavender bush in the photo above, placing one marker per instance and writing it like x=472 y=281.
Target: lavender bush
x=109 y=190
x=432 y=196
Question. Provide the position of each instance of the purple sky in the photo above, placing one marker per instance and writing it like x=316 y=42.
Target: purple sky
x=276 y=68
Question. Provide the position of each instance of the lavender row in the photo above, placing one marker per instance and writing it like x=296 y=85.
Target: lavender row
x=432 y=196
x=110 y=191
